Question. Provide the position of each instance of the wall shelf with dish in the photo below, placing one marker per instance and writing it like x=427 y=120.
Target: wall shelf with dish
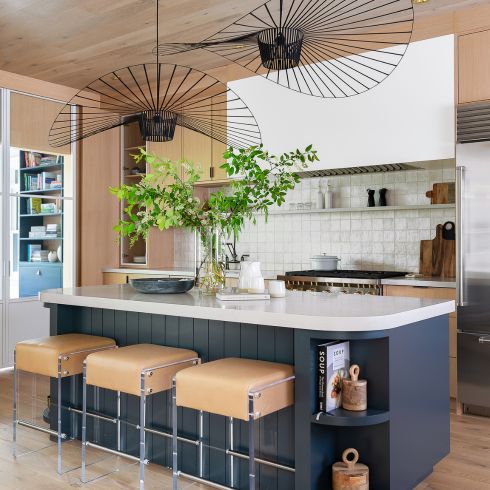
x=363 y=210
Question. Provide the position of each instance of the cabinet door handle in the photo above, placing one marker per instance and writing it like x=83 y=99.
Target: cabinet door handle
x=484 y=339
x=211 y=172
x=38 y=272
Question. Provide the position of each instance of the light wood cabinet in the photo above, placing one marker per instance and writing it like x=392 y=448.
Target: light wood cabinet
x=474 y=67
x=171 y=150
x=196 y=147
x=435 y=293
x=110 y=278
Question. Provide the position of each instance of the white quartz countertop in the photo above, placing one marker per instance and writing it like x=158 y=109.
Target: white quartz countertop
x=428 y=282
x=304 y=310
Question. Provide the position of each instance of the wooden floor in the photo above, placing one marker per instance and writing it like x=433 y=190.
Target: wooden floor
x=466 y=468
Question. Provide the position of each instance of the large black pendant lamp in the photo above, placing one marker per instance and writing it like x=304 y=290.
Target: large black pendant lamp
x=158 y=96
x=324 y=48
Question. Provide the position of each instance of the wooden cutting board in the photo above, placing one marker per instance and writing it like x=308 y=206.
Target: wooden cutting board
x=443 y=193
x=438 y=256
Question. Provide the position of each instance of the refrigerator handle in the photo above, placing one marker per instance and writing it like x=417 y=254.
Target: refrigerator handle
x=460 y=269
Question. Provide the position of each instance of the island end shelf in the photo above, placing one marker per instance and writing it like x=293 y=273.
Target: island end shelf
x=402 y=353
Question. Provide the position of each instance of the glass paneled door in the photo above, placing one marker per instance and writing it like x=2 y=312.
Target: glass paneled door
x=38 y=232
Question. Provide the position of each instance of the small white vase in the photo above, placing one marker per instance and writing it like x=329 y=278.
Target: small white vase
x=52 y=256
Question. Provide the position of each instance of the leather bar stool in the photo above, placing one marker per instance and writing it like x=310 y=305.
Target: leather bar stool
x=59 y=356
x=140 y=370
x=242 y=389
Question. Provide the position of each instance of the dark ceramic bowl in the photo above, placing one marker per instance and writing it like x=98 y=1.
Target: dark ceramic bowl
x=162 y=285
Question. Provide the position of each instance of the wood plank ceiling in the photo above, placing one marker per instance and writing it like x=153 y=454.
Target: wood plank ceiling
x=72 y=42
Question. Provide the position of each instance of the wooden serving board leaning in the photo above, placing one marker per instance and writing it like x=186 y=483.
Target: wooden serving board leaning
x=438 y=256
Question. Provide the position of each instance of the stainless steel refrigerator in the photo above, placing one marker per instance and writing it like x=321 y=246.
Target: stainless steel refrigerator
x=473 y=271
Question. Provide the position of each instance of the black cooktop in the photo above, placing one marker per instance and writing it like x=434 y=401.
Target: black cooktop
x=347 y=274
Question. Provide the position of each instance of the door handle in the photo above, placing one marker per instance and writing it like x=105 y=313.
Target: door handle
x=484 y=339
x=460 y=267
x=38 y=272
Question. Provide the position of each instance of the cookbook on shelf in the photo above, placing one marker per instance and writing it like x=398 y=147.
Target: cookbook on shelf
x=333 y=361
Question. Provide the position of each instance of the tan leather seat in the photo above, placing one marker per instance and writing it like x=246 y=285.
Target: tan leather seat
x=222 y=387
x=40 y=356
x=120 y=370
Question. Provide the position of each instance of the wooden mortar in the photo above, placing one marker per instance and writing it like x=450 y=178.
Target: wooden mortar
x=350 y=474
x=354 y=391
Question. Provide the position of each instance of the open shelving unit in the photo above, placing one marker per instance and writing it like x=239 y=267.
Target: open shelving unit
x=38 y=275
x=368 y=430
x=131 y=142
x=365 y=209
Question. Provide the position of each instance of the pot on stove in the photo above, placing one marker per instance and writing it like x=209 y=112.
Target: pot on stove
x=324 y=262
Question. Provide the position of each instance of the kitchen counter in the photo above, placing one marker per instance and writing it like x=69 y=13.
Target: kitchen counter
x=430 y=282
x=427 y=282
x=401 y=345
x=305 y=310
x=182 y=272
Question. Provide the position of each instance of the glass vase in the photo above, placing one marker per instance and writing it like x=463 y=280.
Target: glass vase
x=211 y=275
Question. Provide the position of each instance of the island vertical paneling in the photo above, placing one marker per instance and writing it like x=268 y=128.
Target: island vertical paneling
x=212 y=340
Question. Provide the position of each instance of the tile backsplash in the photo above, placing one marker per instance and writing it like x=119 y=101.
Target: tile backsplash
x=372 y=240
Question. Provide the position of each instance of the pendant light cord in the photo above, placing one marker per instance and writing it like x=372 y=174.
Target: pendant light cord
x=158 y=63
x=157 y=32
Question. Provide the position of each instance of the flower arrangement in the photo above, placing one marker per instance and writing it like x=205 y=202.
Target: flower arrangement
x=165 y=198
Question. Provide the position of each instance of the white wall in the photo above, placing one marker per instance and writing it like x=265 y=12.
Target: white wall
x=408 y=117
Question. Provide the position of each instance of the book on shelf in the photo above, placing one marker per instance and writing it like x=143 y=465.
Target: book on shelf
x=31 y=249
x=333 y=361
x=32 y=182
x=56 y=184
x=35 y=159
x=47 y=178
x=47 y=208
x=51 y=230
x=51 y=160
x=32 y=159
x=42 y=181
x=34 y=205
x=40 y=257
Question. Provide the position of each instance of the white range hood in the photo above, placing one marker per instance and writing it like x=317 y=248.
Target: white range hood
x=409 y=117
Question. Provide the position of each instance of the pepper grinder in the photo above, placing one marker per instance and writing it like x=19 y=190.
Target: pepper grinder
x=371 y=202
x=382 y=196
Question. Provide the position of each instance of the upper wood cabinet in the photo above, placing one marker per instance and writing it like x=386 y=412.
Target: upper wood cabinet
x=474 y=67
x=196 y=147
x=30 y=121
x=205 y=152
x=168 y=149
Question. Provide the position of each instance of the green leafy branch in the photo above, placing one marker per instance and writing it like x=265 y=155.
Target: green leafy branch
x=165 y=198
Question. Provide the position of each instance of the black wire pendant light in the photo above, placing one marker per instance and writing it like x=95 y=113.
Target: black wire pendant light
x=158 y=96
x=323 y=48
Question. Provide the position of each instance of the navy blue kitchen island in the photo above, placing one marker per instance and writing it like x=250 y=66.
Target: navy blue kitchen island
x=401 y=345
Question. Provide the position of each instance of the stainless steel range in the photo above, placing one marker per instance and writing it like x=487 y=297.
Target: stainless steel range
x=338 y=281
